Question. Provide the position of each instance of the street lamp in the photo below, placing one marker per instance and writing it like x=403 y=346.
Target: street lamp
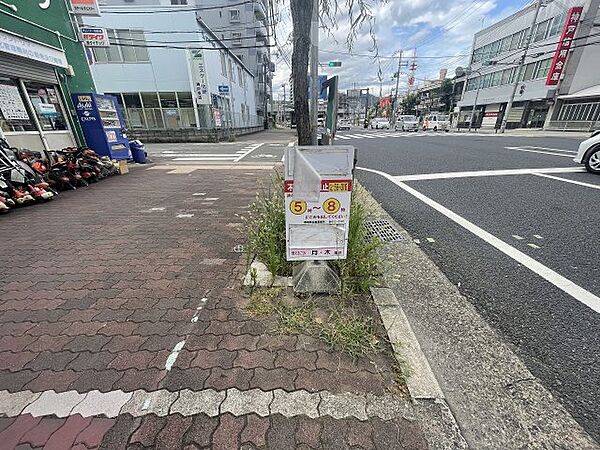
x=460 y=72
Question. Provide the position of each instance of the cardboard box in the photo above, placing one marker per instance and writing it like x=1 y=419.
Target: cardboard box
x=123 y=167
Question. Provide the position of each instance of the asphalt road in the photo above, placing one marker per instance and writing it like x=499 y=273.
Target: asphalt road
x=522 y=247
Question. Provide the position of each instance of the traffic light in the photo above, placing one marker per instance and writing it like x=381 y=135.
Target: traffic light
x=335 y=64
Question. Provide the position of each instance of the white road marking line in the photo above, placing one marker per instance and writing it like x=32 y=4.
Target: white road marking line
x=190 y=155
x=519 y=149
x=430 y=240
x=198 y=194
x=211 y=199
x=517 y=237
x=252 y=148
x=184 y=216
x=368 y=136
x=417 y=241
x=354 y=136
x=537 y=236
x=577 y=292
x=342 y=137
x=550 y=149
x=173 y=355
x=566 y=180
x=211 y=158
x=533 y=246
x=485 y=173
x=157 y=209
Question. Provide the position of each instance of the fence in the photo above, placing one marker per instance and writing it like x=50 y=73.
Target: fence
x=574 y=125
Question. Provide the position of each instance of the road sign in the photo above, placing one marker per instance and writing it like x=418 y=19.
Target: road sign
x=224 y=90
x=318 y=189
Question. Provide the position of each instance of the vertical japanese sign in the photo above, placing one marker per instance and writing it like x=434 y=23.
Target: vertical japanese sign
x=85 y=7
x=199 y=79
x=564 y=44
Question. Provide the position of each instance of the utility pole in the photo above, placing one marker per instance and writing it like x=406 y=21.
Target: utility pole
x=396 y=94
x=538 y=6
x=284 y=104
x=314 y=71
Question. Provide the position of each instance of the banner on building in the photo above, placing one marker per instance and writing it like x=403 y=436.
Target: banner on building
x=199 y=78
x=94 y=37
x=11 y=105
x=16 y=45
x=85 y=7
x=563 y=46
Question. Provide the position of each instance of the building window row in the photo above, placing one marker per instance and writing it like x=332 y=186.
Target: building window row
x=532 y=71
x=126 y=46
x=583 y=112
x=541 y=31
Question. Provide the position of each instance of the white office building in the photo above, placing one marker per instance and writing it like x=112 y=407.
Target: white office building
x=572 y=102
x=158 y=58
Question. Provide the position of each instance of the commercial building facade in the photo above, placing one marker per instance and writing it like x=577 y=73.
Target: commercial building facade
x=154 y=72
x=573 y=96
x=42 y=62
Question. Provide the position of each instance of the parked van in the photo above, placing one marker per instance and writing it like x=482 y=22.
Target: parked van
x=437 y=122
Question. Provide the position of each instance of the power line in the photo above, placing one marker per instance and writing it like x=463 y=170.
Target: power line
x=335 y=52
x=175 y=47
x=175 y=10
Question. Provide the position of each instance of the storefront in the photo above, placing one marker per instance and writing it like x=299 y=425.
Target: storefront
x=32 y=110
x=42 y=62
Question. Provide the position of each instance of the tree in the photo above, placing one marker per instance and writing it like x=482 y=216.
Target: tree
x=446 y=93
x=409 y=103
x=358 y=13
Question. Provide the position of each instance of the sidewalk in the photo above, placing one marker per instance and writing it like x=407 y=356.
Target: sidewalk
x=122 y=324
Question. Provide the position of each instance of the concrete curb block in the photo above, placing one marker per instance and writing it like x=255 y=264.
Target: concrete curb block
x=421 y=381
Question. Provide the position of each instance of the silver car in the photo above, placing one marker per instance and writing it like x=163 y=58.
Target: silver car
x=589 y=153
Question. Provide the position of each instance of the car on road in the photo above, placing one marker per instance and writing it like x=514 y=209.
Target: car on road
x=437 y=122
x=380 y=123
x=343 y=125
x=589 y=153
x=407 y=123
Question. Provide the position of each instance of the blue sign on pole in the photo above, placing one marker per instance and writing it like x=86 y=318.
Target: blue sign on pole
x=223 y=89
x=322 y=92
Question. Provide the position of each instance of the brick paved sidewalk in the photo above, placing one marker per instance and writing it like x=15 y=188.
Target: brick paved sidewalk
x=122 y=325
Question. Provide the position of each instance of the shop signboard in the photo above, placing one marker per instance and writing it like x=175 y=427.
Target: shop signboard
x=489 y=119
x=94 y=37
x=199 y=78
x=218 y=121
x=564 y=44
x=11 y=104
x=318 y=189
x=85 y=7
x=15 y=45
x=46 y=109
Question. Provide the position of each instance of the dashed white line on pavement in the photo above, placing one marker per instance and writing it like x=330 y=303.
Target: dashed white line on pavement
x=566 y=180
x=184 y=216
x=533 y=246
x=198 y=194
x=517 y=237
x=577 y=292
x=430 y=240
x=173 y=355
x=537 y=236
x=529 y=150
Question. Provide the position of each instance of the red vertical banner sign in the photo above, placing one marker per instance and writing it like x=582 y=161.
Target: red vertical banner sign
x=564 y=44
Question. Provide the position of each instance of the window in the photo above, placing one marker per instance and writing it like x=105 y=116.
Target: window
x=231 y=72
x=223 y=64
x=241 y=76
x=46 y=106
x=494 y=49
x=150 y=100
x=515 y=41
x=14 y=117
x=168 y=99
x=496 y=77
x=505 y=76
x=541 y=30
x=528 y=72
x=234 y=15
x=543 y=68
x=185 y=99
x=236 y=38
x=179 y=2
x=505 y=44
x=557 y=25
x=486 y=81
x=126 y=46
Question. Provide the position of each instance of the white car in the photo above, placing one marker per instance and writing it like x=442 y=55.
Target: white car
x=407 y=123
x=380 y=123
x=589 y=153
x=343 y=125
x=436 y=122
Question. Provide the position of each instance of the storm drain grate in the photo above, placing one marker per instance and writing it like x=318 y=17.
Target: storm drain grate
x=383 y=230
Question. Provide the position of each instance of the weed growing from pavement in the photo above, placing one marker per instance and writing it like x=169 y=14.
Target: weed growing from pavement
x=345 y=321
x=266 y=228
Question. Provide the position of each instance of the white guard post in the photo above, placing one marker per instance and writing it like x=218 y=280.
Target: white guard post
x=318 y=189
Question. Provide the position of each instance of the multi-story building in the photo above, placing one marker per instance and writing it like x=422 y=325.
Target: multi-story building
x=42 y=62
x=244 y=27
x=152 y=68
x=569 y=98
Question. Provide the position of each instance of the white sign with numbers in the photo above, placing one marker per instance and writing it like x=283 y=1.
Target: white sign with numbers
x=11 y=104
x=317 y=223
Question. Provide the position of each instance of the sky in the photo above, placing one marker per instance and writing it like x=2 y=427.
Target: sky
x=440 y=30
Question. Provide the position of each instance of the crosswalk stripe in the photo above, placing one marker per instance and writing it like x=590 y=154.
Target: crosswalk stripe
x=342 y=137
